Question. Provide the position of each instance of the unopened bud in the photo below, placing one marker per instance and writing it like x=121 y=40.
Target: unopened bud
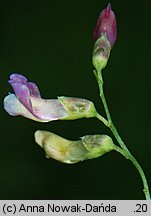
x=67 y=151
x=106 y=23
x=105 y=34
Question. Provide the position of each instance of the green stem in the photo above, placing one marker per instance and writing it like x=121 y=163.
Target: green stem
x=123 y=150
x=101 y=118
x=129 y=156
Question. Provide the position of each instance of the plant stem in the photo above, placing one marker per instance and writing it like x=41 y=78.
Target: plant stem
x=101 y=118
x=129 y=156
x=123 y=150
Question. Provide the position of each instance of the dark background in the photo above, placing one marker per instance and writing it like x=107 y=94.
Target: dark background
x=50 y=42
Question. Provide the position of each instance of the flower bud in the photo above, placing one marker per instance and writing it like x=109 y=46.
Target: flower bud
x=106 y=24
x=67 y=151
x=105 y=34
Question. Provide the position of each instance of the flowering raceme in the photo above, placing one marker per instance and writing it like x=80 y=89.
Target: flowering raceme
x=27 y=102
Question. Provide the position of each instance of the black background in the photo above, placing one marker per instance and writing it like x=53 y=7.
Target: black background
x=50 y=42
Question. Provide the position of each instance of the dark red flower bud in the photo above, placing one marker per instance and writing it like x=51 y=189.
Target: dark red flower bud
x=106 y=23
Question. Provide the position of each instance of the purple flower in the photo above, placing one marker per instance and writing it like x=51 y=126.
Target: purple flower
x=106 y=23
x=26 y=101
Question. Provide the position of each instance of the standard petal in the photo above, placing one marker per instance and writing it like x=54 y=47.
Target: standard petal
x=33 y=89
x=17 y=78
x=22 y=93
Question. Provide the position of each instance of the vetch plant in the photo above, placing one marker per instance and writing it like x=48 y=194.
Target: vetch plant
x=27 y=101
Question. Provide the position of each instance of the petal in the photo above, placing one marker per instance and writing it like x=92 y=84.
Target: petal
x=14 y=107
x=33 y=89
x=17 y=78
x=43 y=110
x=48 y=109
x=22 y=93
x=59 y=148
x=106 y=23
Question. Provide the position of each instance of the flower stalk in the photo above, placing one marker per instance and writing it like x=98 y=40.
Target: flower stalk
x=105 y=34
x=123 y=150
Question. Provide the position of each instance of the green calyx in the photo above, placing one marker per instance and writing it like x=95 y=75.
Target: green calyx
x=77 y=108
x=101 y=52
x=97 y=145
